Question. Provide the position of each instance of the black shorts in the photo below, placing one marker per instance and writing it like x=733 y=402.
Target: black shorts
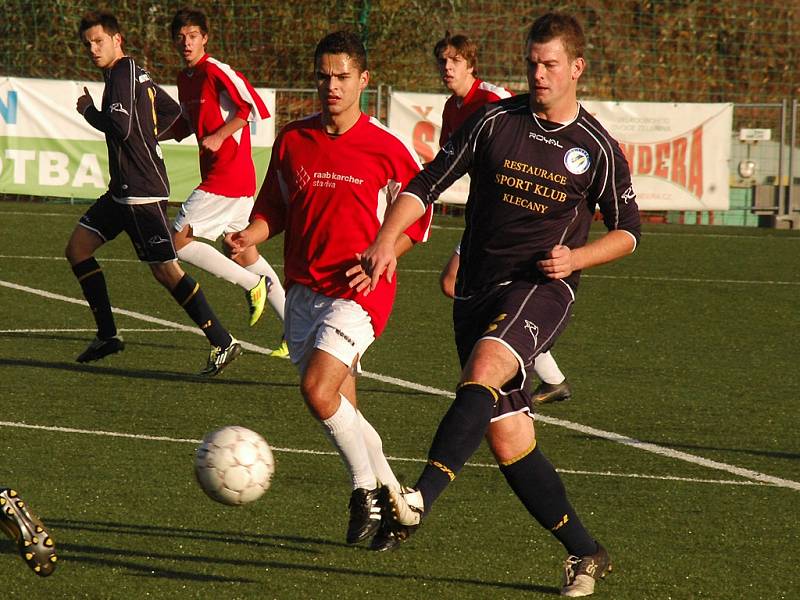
x=146 y=224
x=526 y=317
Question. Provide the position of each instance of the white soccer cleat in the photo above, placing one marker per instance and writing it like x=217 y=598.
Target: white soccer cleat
x=407 y=506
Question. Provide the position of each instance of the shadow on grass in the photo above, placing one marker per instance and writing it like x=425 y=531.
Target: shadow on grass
x=146 y=563
x=223 y=379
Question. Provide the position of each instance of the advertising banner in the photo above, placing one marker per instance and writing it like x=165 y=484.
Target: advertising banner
x=48 y=149
x=679 y=154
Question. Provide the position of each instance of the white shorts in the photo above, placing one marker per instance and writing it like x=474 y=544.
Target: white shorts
x=340 y=327
x=211 y=215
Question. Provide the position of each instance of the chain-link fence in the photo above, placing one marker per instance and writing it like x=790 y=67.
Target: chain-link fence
x=652 y=50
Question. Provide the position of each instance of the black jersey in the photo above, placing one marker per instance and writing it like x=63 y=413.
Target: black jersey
x=534 y=184
x=134 y=109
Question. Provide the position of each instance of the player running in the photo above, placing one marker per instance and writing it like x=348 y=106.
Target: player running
x=329 y=182
x=134 y=109
x=218 y=104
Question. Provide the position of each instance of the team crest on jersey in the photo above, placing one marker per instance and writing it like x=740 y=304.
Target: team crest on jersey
x=577 y=161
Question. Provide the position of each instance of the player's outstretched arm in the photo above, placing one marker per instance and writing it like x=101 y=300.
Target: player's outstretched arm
x=381 y=256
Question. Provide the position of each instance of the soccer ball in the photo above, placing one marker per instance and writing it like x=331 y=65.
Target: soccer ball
x=234 y=465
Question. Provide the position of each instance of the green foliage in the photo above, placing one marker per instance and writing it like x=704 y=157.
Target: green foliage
x=652 y=50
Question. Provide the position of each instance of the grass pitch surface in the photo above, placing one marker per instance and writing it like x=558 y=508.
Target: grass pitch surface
x=679 y=448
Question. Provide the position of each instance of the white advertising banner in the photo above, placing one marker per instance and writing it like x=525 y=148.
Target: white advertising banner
x=48 y=149
x=679 y=154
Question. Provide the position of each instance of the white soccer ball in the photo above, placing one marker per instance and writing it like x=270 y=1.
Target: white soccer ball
x=234 y=465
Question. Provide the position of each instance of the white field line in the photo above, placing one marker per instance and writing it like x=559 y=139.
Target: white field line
x=437 y=271
x=161 y=438
x=585 y=429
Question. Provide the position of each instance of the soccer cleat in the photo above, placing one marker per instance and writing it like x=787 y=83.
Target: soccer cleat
x=407 y=506
x=581 y=572
x=219 y=358
x=546 y=393
x=35 y=544
x=256 y=300
x=390 y=534
x=98 y=349
x=365 y=515
x=281 y=351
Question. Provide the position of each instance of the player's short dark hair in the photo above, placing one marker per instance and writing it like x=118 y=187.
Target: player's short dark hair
x=188 y=16
x=559 y=25
x=343 y=42
x=103 y=18
x=465 y=47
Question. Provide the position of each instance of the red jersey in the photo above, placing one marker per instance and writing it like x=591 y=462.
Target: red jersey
x=211 y=93
x=329 y=195
x=456 y=110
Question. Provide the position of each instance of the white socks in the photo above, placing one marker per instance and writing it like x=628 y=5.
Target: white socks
x=275 y=294
x=215 y=262
x=547 y=369
x=380 y=465
x=344 y=431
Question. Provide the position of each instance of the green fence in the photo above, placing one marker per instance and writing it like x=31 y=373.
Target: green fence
x=657 y=50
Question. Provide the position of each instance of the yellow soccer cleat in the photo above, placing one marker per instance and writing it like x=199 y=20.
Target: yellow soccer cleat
x=256 y=299
x=281 y=351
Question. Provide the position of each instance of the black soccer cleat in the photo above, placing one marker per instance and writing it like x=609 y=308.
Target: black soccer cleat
x=219 y=358
x=365 y=515
x=35 y=544
x=98 y=349
x=545 y=393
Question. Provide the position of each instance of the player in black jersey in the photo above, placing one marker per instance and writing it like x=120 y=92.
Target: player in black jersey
x=133 y=113
x=540 y=165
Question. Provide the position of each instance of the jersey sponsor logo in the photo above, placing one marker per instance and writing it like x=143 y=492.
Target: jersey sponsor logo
x=117 y=107
x=301 y=177
x=533 y=329
x=544 y=139
x=577 y=161
x=329 y=179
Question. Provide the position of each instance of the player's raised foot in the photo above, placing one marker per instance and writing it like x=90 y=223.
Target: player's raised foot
x=390 y=534
x=545 y=393
x=257 y=299
x=365 y=515
x=281 y=351
x=581 y=572
x=35 y=544
x=219 y=358
x=98 y=349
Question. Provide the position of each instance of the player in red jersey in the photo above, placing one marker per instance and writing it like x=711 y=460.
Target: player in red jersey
x=218 y=104
x=540 y=165
x=330 y=180
x=457 y=58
